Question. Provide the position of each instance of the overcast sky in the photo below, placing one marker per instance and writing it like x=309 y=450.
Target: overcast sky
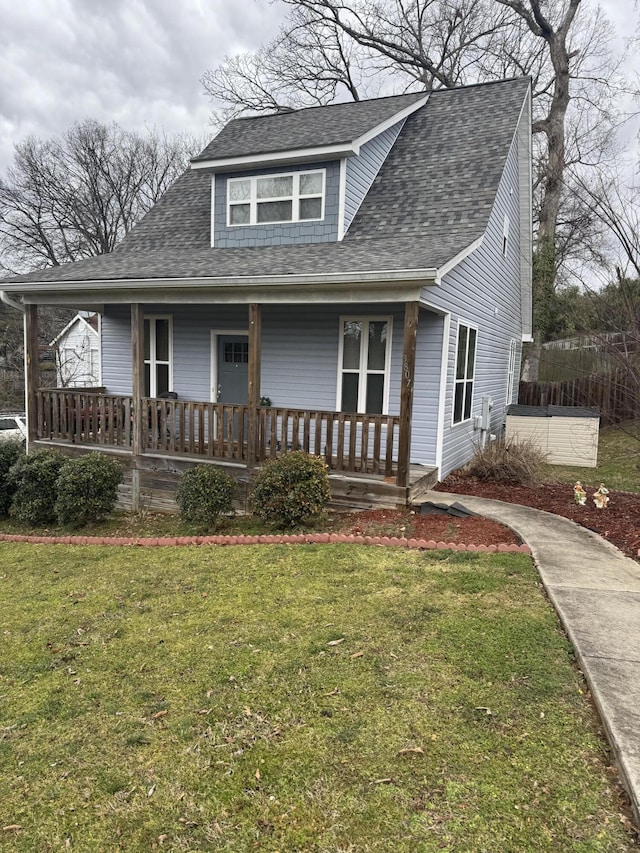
x=136 y=62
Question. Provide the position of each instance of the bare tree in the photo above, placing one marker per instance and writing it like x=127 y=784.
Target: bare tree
x=77 y=195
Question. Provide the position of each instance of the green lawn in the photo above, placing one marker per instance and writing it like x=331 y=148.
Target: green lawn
x=292 y=698
x=618 y=461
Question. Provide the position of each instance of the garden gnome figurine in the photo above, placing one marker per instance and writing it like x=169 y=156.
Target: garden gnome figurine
x=579 y=494
x=601 y=497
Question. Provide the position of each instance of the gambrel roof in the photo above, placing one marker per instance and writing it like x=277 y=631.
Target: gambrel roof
x=430 y=201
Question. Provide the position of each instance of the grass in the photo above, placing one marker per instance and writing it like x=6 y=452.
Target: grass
x=618 y=461
x=292 y=698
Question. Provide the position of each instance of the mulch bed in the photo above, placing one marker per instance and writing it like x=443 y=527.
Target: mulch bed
x=619 y=522
x=441 y=528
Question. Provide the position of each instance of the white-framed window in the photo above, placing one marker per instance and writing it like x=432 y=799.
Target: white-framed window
x=465 y=372
x=279 y=198
x=158 y=355
x=363 y=364
x=511 y=370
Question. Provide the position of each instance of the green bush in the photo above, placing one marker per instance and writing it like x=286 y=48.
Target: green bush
x=10 y=452
x=204 y=493
x=291 y=490
x=33 y=478
x=87 y=489
x=517 y=463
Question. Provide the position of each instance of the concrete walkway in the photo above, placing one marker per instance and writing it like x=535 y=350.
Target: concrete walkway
x=596 y=591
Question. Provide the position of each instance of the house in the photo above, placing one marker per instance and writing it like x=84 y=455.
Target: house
x=77 y=352
x=352 y=279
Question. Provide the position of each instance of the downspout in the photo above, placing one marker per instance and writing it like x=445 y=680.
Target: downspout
x=4 y=297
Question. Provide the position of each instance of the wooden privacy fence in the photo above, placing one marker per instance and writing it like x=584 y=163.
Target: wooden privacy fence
x=610 y=393
x=361 y=443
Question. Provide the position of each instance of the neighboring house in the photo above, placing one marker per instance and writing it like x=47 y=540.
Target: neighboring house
x=363 y=268
x=77 y=353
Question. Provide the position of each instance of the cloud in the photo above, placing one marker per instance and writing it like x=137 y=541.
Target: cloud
x=136 y=62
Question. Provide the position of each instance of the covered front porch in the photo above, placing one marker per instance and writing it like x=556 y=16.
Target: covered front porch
x=368 y=455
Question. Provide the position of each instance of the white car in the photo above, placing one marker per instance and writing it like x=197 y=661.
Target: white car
x=12 y=427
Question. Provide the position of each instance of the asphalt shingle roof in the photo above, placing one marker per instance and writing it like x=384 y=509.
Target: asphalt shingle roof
x=431 y=199
x=308 y=128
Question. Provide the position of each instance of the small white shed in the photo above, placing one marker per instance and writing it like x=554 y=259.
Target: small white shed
x=567 y=434
x=78 y=353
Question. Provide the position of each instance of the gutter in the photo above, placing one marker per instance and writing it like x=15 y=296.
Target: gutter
x=309 y=279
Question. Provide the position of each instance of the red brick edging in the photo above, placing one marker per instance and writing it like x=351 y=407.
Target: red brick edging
x=276 y=539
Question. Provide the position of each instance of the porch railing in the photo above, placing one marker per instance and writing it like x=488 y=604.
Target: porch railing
x=348 y=442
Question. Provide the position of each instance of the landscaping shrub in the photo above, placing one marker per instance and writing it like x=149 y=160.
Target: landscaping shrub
x=204 y=493
x=10 y=452
x=87 y=489
x=519 y=463
x=291 y=490
x=33 y=478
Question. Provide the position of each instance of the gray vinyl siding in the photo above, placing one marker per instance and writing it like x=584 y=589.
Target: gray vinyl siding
x=426 y=388
x=116 y=349
x=282 y=234
x=484 y=291
x=363 y=170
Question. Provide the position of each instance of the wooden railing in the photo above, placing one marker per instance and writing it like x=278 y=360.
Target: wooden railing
x=361 y=443
x=84 y=417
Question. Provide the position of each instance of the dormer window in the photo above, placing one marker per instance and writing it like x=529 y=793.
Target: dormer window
x=270 y=199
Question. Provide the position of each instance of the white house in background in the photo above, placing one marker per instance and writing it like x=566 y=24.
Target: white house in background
x=77 y=350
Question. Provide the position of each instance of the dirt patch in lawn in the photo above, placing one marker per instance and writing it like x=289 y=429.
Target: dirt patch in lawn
x=619 y=522
x=441 y=528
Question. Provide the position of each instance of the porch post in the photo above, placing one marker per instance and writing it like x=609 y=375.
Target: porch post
x=253 y=391
x=32 y=370
x=137 y=392
x=406 y=390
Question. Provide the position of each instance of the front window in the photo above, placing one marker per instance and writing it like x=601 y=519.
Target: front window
x=267 y=199
x=465 y=372
x=364 y=367
x=157 y=356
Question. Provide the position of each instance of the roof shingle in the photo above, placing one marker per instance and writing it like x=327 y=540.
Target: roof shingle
x=308 y=128
x=431 y=199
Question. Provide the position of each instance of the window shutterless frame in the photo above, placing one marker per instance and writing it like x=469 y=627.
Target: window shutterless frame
x=246 y=199
x=158 y=354
x=364 y=364
x=511 y=369
x=464 y=373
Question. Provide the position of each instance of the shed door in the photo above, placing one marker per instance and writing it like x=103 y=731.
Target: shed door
x=233 y=369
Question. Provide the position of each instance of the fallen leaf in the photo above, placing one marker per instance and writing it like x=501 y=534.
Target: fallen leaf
x=357 y=655
x=384 y=781
x=258 y=775
x=205 y=711
x=333 y=692
x=335 y=642
x=12 y=827
x=417 y=750
x=159 y=714
x=151 y=791
x=246 y=711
